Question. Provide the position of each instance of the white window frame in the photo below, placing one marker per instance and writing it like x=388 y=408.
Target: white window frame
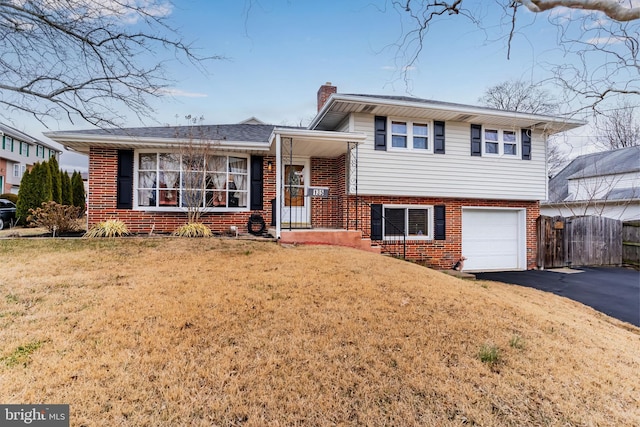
x=430 y=222
x=409 y=135
x=8 y=143
x=136 y=170
x=501 y=142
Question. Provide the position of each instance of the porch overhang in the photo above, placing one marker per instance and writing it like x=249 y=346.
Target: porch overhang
x=313 y=143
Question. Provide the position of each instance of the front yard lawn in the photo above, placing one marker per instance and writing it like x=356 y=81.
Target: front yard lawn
x=169 y=332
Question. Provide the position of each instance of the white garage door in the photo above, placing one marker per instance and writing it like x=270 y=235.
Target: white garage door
x=493 y=239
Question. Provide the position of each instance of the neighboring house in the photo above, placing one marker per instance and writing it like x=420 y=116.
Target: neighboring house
x=18 y=152
x=601 y=184
x=435 y=180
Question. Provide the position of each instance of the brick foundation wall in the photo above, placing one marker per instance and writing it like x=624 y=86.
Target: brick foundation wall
x=103 y=168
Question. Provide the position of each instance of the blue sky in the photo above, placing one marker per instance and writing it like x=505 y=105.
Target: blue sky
x=279 y=52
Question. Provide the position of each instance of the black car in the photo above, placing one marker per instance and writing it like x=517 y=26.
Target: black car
x=7 y=213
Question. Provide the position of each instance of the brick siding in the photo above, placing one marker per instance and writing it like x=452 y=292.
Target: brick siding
x=103 y=168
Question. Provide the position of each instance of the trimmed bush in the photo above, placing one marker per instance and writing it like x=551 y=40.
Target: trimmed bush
x=109 y=228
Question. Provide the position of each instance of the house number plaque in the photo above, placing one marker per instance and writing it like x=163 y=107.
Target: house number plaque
x=318 y=191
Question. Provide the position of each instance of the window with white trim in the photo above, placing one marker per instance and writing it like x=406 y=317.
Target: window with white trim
x=410 y=135
x=499 y=142
x=415 y=222
x=8 y=143
x=173 y=181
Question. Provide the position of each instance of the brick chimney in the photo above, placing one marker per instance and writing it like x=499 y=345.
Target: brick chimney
x=324 y=93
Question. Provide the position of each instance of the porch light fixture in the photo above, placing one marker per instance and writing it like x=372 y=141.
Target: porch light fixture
x=269 y=165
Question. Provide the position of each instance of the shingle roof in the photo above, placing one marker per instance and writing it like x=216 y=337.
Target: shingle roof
x=231 y=132
x=614 y=162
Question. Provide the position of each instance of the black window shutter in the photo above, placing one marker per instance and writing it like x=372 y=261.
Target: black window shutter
x=438 y=137
x=440 y=232
x=125 y=180
x=256 y=183
x=376 y=222
x=526 y=144
x=380 y=133
x=476 y=140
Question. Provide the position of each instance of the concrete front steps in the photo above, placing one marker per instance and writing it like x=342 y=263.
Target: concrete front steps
x=348 y=238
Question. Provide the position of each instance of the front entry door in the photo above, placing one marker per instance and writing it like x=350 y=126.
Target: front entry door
x=295 y=204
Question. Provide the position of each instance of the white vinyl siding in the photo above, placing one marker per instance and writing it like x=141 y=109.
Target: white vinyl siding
x=454 y=174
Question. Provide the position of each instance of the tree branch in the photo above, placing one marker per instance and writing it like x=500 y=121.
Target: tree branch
x=612 y=8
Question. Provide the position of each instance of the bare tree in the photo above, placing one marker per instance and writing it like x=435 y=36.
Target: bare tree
x=194 y=154
x=619 y=128
x=556 y=159
x=518 y=95
x=85 y=59
x=608 y=37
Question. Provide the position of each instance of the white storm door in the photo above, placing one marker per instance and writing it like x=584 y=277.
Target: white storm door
x=295 y=204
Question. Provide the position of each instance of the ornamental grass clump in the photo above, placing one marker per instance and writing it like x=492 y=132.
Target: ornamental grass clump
x=193 y=229
x=109 y=228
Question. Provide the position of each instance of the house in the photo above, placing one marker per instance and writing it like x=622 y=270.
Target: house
x=18 y=152
x=601 y=184
x=430 y=180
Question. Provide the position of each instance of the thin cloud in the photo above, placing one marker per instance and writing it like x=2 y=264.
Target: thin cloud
x=179 y=93
x=605 y=40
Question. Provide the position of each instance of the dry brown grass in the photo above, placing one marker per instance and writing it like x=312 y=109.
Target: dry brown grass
x=169 y=332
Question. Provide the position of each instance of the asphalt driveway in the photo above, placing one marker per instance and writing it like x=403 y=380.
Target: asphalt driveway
x=613 y=291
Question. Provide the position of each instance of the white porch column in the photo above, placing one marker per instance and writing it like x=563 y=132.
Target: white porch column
x=278 y=182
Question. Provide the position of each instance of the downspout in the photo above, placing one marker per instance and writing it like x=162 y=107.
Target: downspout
x=278 y=186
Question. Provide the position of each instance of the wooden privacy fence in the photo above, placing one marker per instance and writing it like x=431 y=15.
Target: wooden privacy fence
x=579 y=241
x=631 y=242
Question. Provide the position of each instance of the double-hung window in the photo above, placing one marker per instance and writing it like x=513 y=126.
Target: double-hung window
x=500 y=142
x=410 y=135
x=398 y=134
x=410 y=221
x=172 y=181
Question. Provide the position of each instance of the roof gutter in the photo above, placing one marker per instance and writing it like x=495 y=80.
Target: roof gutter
x=69 y=140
